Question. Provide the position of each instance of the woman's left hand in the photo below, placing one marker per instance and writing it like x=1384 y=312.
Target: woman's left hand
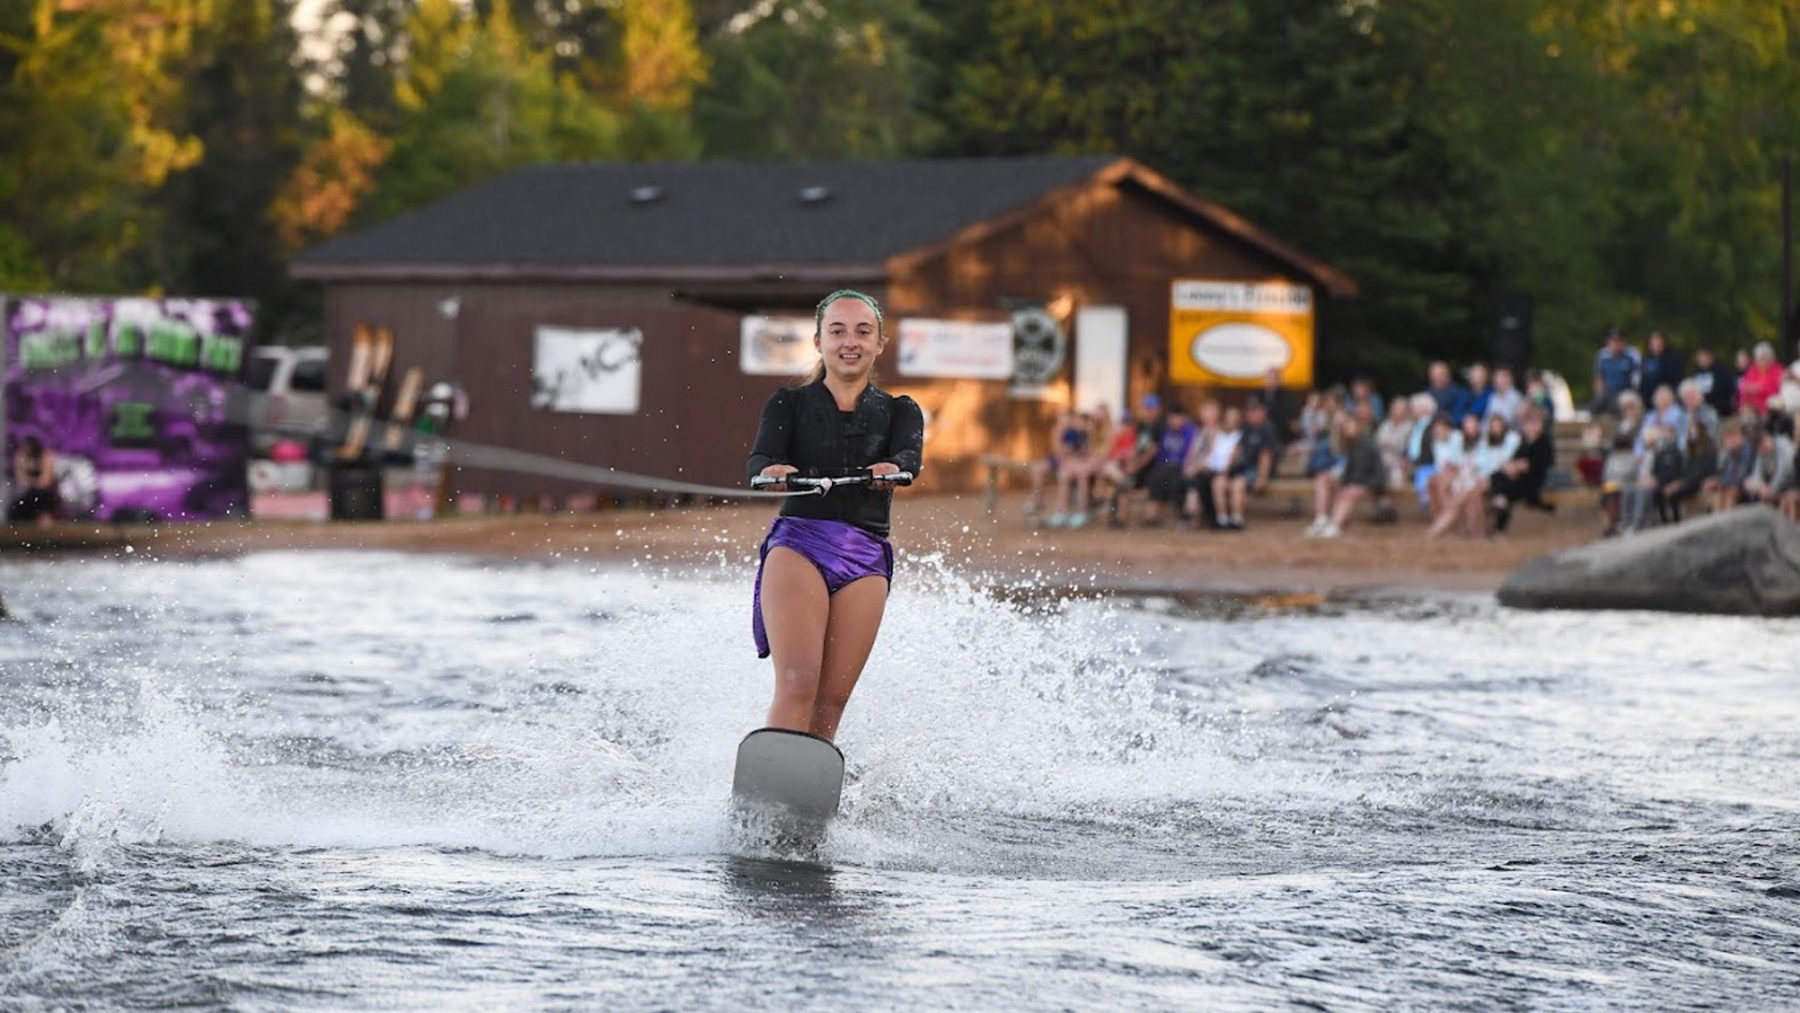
x=882 y=468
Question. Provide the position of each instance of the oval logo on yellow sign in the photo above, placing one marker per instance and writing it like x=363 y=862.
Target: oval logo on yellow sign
x=1240 y=350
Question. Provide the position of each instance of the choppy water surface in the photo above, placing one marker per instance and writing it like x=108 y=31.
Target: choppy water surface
x=324 y=781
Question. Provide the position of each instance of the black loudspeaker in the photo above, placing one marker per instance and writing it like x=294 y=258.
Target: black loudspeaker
x=355 y=492
x=1512 y=335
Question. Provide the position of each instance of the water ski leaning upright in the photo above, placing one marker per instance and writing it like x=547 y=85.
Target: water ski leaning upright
x=792 y=779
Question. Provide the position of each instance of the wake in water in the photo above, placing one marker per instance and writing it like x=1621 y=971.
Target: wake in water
x=289 y=735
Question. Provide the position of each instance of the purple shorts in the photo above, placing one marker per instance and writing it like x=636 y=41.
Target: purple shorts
x=842 y=552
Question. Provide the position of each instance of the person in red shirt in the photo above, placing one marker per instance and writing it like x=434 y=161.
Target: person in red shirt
x=1761 y=381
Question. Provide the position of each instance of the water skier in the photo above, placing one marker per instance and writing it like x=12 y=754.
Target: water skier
x=826 y=563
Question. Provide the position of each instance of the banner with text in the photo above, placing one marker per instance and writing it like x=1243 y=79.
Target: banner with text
x=140 y=401
x=1231 y=333
x=777 y=346
x=960 y=349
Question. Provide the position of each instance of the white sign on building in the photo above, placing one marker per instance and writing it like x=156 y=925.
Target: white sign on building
x=777 y=346
x=592 y=371
x=956 y=348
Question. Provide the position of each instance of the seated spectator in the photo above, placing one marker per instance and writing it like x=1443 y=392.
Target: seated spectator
x=1073 y=466
x=1485 y=451
x=1252 y=467
x=1695 y=407
x=1419 y=441
x=1592 y=460
x=1761 y=380
x=1318 y=427
x=1618 y=474
x=1773 y=471
x=1391 y=439
x=1335 y=494
x=1197 y=502
x=1130 y=458
x=1506 y=399
x=1165 y=481
x=34 y=480
x=1790 y=493
x=1699 y=463
x=1221 y=457
x=1658 y=467
x=1067 y=466
x=1521 y=480
x=1631 y=419
x=1453 y=452
x=1737 y=455
x=1665 y=414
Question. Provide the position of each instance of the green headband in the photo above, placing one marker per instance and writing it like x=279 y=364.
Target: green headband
x=844 y=293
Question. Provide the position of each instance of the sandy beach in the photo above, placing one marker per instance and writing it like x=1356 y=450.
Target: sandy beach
x=996 y=546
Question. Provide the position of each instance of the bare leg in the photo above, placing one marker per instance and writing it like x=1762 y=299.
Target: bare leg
x=1322 y=490
x=1234 y=491
x=1347 y=498
x=1448 y=514
x=849 y=636
x=1221 y=497
x=795 y=610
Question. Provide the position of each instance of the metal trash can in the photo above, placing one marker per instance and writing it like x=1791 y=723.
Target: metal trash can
x=355 y=492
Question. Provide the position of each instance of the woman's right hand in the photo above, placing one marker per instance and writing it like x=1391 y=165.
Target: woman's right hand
x=778 y=471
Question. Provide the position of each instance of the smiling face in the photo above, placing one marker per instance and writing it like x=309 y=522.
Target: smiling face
x=849 y=339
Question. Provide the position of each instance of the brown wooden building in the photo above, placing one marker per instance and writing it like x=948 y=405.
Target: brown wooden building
x=638 y=315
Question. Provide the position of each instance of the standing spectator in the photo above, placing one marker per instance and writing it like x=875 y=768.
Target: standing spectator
x=1616 y=368
x=1476 y=403
x=1335 y=495
x=1737 y=457
x=1391 y=440
x=1257 y=450
x=1662 y=366
x=1761 y=381
x=1283 y=415
x=34 y=480
x=1506 y=400
x=1699 y=463
x=1694 y=407
x=1521 y=480
x=1363 y=396
x=1717 y=382
x=1450 y=396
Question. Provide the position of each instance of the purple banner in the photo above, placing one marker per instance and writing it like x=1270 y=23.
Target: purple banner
x=142 y=402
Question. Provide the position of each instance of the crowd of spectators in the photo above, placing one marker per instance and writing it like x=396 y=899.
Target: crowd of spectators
x=1464 y=452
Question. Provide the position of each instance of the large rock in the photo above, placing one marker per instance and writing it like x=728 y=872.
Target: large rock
x=1744 y=561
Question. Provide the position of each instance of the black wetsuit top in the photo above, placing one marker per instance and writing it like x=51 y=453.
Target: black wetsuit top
x=802 y=426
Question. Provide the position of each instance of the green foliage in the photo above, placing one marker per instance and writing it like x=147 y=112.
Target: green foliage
x=806 y=79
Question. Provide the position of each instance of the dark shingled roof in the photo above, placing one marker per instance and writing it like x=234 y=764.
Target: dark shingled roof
x=708 y=214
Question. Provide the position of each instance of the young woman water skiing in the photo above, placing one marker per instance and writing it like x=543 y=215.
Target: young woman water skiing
x=826 y=562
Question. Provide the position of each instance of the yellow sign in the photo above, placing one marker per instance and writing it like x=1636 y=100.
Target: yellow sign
x=1231 y=333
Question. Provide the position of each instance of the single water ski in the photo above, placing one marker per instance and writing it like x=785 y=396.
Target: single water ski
x=789 y=781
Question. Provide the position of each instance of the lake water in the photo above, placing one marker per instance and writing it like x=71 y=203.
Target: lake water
x=329 y=781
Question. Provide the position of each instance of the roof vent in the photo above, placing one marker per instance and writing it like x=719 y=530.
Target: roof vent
x=815 y=194
x=649 y=194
